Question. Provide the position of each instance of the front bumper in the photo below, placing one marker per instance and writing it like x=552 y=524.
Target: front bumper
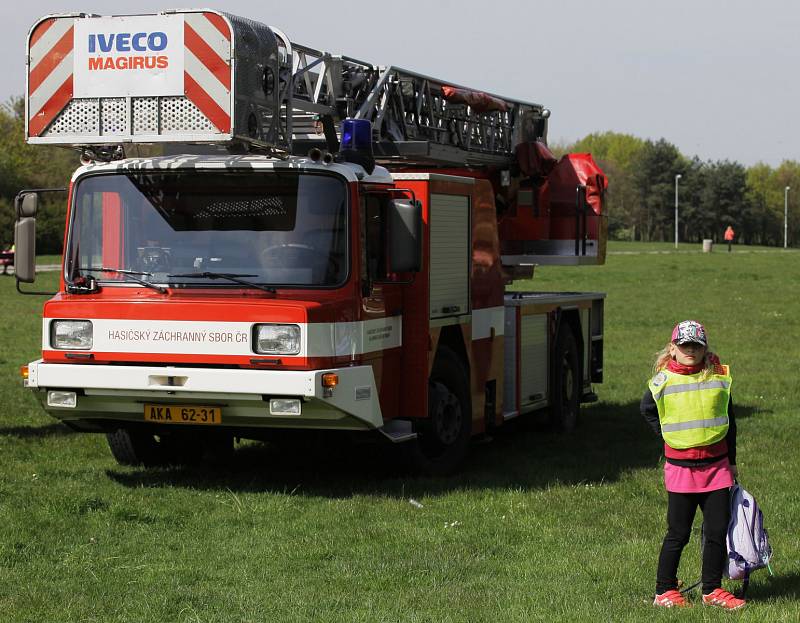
x=119 y=393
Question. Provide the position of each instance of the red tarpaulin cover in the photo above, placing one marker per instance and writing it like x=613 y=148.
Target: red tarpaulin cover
x=548 y=210
x=535 y=159
x=478 y=101
x=569 y=172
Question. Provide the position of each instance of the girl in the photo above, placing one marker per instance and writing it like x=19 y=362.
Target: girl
x=688 y=404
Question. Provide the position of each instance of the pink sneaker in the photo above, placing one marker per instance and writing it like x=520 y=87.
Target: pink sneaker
x=670 y=599
x=723 y=599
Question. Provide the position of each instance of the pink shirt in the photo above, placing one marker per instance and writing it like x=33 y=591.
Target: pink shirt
x=711 y=477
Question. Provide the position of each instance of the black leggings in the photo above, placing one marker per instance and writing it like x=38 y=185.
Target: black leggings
x=680 y=515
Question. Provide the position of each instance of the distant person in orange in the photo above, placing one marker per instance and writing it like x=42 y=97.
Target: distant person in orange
x=729 y=235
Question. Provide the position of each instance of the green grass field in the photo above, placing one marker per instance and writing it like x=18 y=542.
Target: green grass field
x=537 y=527
x=48 y=259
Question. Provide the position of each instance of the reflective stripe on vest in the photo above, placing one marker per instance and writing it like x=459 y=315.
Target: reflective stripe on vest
x=692 y=411
x=717 y=421
x=692 y=387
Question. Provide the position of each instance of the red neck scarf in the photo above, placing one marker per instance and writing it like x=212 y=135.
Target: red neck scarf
x=679 y=368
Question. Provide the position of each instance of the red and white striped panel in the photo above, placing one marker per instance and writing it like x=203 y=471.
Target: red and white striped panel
x=207 y=66
x=50 y=77
x=207 y=69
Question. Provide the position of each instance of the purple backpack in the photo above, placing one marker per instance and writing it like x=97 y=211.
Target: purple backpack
x=748 y=545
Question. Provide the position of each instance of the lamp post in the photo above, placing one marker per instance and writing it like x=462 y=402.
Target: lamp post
x=677 y=177
x=785 y=215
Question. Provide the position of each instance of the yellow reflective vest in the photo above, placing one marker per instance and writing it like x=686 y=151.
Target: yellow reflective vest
x=693 y=411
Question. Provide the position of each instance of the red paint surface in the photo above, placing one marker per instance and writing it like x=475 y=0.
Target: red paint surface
x=206 y=55
x=41 y=119
x=39 y=30
x=112 y=231
x=50 y=61
x=219 y=23
x=206 y=104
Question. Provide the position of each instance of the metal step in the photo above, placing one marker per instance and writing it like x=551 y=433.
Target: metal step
x=398 y=431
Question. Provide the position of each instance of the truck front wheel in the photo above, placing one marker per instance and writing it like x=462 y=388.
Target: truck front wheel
x=444 y=437
x=142 y=447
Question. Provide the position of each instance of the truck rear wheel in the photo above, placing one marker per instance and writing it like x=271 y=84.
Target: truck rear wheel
x=443 y=439
x=565 y=388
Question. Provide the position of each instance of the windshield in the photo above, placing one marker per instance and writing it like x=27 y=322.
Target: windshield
x=180 y=227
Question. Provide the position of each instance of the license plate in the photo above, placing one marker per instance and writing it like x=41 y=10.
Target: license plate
x=182 y=414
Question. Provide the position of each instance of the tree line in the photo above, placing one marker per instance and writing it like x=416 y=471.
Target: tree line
x=24 y=166
x=640 y=200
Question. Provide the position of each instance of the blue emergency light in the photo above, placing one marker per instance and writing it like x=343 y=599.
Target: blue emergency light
x=357 y=135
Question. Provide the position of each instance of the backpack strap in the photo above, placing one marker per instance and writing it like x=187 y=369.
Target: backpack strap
x=745 y=581
x=691 y=588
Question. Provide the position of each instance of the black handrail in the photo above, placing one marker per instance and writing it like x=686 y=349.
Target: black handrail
x=580 y=220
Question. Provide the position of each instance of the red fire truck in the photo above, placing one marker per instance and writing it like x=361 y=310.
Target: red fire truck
x=321 y=243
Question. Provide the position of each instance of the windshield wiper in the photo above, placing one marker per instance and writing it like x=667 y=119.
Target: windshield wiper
x=234 y=277
x=130 y=274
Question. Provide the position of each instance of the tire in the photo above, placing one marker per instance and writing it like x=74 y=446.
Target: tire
x=141 y=447
x=566 y=382
x=443 y=438
x=131 y=447
x=216 y=448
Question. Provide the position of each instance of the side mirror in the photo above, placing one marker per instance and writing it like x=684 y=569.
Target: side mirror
x=25 y=237
x=27 y=205
x=405 y=236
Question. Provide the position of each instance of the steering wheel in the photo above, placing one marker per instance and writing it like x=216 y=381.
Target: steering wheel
x=154 y=259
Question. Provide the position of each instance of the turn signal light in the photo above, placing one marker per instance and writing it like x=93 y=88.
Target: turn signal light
x=23 y=370
x=330 y=380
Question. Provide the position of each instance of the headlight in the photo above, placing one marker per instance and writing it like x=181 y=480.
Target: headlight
x=71 y=334
x=277 y=339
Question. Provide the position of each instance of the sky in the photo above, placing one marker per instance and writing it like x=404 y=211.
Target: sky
x=717 y=78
